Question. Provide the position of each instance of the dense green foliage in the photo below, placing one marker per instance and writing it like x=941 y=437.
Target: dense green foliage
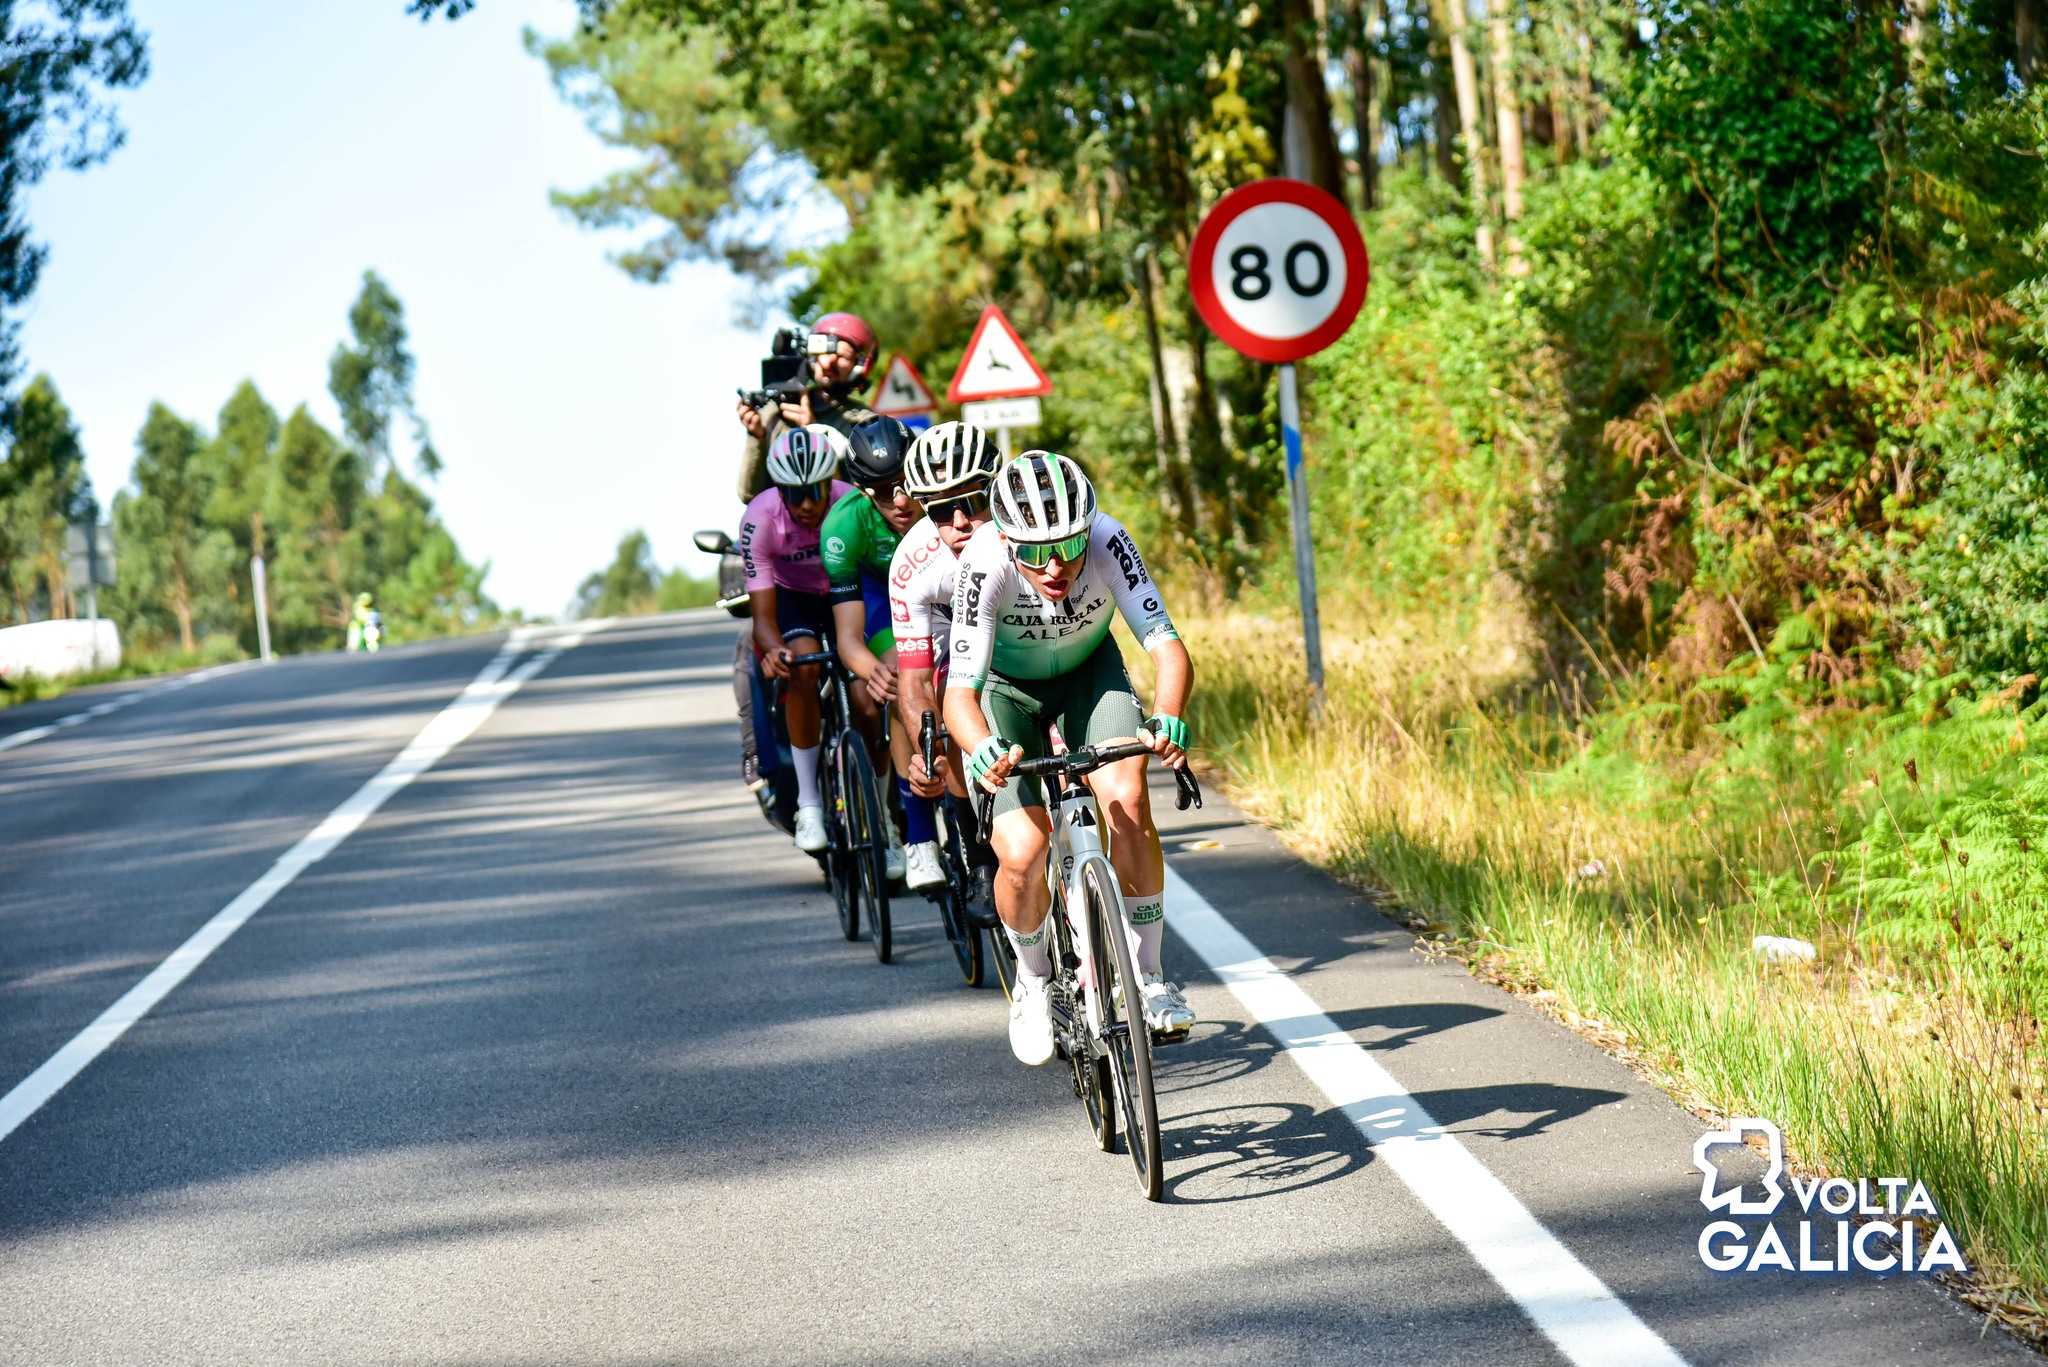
x=333 y=516
x=633 y=585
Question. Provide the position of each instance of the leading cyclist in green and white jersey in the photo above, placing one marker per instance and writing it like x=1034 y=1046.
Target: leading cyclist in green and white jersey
x=1032 y=604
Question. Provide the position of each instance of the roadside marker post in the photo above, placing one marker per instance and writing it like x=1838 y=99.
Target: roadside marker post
x=999 y=382
x=1279 y=271
x=262 y=607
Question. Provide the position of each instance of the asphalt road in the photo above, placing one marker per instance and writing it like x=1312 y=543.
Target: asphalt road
x=556 y=1056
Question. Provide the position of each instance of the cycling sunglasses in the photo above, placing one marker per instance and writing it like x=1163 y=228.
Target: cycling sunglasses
x=793 y=494
x=1039 y=554
x=942 y=510
x=883 y=493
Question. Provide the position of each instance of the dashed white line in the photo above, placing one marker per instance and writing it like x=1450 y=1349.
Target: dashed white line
x=448 y=728
x=1572 y=1307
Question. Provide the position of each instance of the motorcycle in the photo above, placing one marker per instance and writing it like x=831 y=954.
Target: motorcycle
x=732 y=572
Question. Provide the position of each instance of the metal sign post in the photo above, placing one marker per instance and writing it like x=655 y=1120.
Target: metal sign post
x=1279 y=271
x=1304 y=546
x=262 y=608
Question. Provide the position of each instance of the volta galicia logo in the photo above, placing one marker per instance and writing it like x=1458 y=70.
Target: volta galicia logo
x=1886 y=1224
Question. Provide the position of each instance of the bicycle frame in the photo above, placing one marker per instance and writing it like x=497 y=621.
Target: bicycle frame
x=1075 y=843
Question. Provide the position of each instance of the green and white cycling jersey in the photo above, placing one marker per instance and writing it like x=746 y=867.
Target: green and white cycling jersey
x=1001 y=624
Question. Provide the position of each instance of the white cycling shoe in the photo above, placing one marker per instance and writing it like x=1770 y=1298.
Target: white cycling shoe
x=1030 y=1021
x=922 y=868
x=1166 y=1010
x=810 y=829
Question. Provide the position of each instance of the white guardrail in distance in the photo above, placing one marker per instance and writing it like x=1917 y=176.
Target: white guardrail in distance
x=54 y=649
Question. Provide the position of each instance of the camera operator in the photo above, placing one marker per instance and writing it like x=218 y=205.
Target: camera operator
x=840 y=349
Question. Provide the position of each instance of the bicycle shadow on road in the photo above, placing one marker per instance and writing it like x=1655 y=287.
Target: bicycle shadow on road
x=1220 y=1050
x=1222 y=1140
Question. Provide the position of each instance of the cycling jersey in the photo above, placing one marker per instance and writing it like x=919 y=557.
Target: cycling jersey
x=921 y=595
x=1001 y=624
x=857 y=539
x=776 y=550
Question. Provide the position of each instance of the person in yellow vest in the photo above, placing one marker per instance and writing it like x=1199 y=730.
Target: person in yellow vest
x=365 y=626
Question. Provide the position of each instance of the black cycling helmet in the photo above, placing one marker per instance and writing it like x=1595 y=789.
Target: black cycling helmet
x=875 y=452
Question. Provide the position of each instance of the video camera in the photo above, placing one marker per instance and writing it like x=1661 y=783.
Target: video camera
x=785 y=371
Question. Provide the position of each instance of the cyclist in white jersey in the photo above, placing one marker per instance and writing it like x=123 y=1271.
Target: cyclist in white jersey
x=1032 y=602
x=947 y=473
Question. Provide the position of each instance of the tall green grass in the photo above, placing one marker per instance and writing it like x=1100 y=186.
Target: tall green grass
x=1617 y=860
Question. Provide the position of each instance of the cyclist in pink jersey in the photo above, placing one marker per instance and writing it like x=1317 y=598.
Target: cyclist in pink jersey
x=787 y=587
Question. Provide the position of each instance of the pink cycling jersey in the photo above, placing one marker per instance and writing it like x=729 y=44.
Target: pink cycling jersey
x=778 y=551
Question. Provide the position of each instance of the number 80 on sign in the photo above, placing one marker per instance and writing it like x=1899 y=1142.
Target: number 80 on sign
x=1278 y=269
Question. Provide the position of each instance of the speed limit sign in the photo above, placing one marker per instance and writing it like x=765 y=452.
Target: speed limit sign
x=1278 y=269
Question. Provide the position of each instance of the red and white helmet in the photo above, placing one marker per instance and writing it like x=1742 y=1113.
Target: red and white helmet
x=850 y=327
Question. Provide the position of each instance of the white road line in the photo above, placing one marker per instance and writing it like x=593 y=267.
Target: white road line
x=448 y=728
x=101 y=709
x=1572 y=1307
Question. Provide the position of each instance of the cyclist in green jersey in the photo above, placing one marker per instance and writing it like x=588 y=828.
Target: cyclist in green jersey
x=858 y=538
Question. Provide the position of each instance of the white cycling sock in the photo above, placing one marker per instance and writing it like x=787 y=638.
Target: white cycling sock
x=805 y=758
x=1146 y=929
x=1032 y=955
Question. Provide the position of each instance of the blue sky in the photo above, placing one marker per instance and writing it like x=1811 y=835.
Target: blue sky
x=275 y=153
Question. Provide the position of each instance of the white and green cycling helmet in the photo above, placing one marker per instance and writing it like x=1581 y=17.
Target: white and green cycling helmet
x=1044 y=506
x=804 y=456
x=948 y=456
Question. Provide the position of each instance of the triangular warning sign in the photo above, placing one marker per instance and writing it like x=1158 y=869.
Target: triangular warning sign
x=997 y=364
x=903 y=391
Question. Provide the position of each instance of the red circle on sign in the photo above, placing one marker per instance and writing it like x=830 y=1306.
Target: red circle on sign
x=1202 y=260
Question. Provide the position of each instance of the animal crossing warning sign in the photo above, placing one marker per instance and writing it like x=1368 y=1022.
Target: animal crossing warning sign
x=997 y=365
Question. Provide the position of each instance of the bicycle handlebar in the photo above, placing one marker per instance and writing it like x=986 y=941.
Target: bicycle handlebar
x=1086 y=760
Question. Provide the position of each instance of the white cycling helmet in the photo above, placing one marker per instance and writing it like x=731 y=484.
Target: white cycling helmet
x=804 y=455
x=948 y=456
x=1042 y=496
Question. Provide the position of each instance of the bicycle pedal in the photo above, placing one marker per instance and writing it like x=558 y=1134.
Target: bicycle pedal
x=1172 y=1036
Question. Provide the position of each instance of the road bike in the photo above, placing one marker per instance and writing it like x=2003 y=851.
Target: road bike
x=856 y=823
x=1094 y=991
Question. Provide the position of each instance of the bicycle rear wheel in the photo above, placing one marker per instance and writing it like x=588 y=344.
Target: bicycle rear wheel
x=840 y=868
x=867 y=830
x=1123 y=1021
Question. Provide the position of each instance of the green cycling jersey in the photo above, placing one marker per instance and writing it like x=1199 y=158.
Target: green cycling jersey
x=855 y=538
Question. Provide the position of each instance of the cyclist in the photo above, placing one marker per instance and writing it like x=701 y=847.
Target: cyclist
x=947 y=473
x=837 y=374
x=1032 y=602
x=786 y=587
x=859 y=536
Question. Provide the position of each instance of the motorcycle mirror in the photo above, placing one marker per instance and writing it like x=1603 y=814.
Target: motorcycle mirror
x=712 y=542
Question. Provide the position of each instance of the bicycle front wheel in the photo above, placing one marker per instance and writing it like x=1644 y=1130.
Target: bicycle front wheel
x=840 y=866
x=867 y=830
x=1124 y=1032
